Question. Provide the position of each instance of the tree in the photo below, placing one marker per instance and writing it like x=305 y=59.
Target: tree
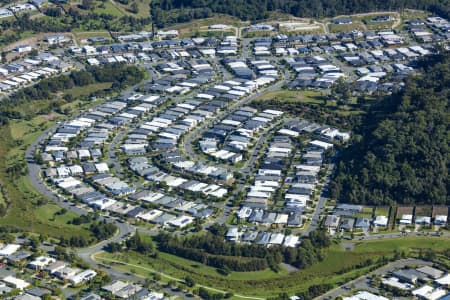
x=47 y=297
x=114 y=247
x=189 y=281
x=134 y=8
x=87 y=4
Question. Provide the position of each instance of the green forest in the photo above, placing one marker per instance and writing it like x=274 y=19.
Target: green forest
x=166 y=12
x=402 y=152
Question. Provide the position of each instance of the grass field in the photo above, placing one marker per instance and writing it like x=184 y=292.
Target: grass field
x=312 y=97
x=336 y=268
x=382 y=211
x=23 y=211
x=84 y=35
x=109 y=8
x=87 y=90
x=346 y=27
x=142 y=5
x=309 y=97
x=410 y=14
x=27 y=209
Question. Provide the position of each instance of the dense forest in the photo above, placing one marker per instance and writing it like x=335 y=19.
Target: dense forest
x=403 y=153
x=171 y=11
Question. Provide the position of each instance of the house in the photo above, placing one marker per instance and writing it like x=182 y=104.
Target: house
x=38 y=3
x=5 y=13
x=56 y=39
x=263 y=238
x=66 y=272
x=91 y=297
x=381 y=221
x=115 y=286
x=37 y=292
x=429 y=293
x=341 y=21
x=408 y=275
x=291 y=241
x=406 y=219
x=16 y=282
x=364 y=295
x=347 y=224
x=167 y=33
x=55 y=266
x=431 y=272
x=362 y=223
x=40 y=262
x=276 y=239
x=23 y=48
x=82 y=277
x=8 y=250
x=423 y=220
x=440 y=220
x=232 y=234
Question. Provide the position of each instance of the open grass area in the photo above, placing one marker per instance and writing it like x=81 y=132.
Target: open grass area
x=143 y=8
x=371 y=25
x=79 y=91
x=382 y=211
x=109 y=8
x=215 y=33
x=410 y=14
x=308 y=97
x=337 y=267
x=402 y=244
x=27 y=209
x=82 y=36
x=346 y=27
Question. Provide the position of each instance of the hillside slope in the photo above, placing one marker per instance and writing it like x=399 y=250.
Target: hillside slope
x=165 y=12
x=404 y=153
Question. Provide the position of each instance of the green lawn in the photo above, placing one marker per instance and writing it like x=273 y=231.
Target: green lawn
x=110 y=9
x=382 y=211
x=346 y=27
x=308 y=97
x=403 y=243
x=79 y=91
x=409 y=14
x=23 y=211
x=83 y=35
x=336 y=268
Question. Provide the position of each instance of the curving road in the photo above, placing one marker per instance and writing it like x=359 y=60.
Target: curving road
x=188 y=140
x=363 y=282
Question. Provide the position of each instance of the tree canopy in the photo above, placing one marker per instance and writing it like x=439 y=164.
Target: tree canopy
x=171 y=11
x=404 y=153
